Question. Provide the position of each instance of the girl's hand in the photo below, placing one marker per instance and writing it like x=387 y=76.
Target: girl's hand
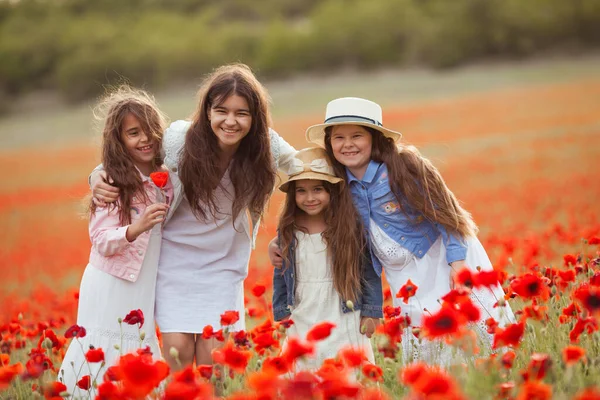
x=455 y=266
x=154 y=214
x=368 y=325
x=102 y=191
x=275 y=253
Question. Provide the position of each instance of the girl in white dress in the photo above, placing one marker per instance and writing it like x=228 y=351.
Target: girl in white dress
x=325 y=275
x=417 y=229
x=223 y=167
x=126 y=236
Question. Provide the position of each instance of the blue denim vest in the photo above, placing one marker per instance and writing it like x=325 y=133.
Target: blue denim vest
x=375 y=201
x=369 y=303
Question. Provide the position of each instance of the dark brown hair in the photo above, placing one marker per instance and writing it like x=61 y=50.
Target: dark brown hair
x=415 y=181
x=343 y=236
x=252 y=171
x=112 y=109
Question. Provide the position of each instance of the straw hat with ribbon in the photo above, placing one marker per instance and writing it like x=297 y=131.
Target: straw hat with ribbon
x=350 y=111
x=311 y=163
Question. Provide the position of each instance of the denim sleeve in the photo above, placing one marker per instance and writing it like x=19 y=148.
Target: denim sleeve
x=280 y=306
x=372 y=296
x=456 y=246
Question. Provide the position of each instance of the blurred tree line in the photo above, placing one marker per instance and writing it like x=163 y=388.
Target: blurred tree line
x=76 y=46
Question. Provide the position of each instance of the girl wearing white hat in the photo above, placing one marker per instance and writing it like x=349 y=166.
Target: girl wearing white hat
x=417 y=228
x=326 y=276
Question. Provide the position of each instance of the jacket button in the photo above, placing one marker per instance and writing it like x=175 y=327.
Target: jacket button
x=402 y=238
x=131 y=276
x=140 y=252
x=386 y=225
x=292 y=275
x=420 y=252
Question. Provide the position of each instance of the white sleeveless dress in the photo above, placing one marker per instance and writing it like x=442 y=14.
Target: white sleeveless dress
x=316 y=300
x=431 y=274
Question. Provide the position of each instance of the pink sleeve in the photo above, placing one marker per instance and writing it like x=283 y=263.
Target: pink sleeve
x=106 y=233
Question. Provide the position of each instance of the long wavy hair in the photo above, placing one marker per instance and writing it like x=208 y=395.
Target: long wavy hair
x=112 y=109
x=251 y=170
x=415 y=182
x=343 y=236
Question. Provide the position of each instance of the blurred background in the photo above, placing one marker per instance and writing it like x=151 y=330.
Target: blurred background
x=502 y=95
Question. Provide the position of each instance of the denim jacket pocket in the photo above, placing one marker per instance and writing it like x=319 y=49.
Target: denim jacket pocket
x=384 y=200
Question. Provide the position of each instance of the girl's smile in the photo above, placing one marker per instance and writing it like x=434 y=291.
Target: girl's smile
x=351 y=145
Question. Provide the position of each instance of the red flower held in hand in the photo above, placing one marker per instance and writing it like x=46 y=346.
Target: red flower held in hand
x=135 y=317
x=229 y=318
x=94 y=355
x=75 y=331
x=320 y=331
x=160 y=179
x=407 y=291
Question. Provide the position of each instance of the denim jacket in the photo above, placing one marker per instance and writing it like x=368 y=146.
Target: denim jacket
x=369 y=303
x=374 y=200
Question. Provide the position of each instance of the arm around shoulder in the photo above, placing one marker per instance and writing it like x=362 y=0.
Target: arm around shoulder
x=282 y=150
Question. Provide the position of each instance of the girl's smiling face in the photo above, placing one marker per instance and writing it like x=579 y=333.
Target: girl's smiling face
x=140 y=146
x=230 y=121
x=311 y=196
x=351 y=145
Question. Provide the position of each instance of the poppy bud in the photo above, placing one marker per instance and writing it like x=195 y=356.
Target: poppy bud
x=350 y=305
x=173 y=352
x=117 y=347
x=142 y=335
x=47 y=343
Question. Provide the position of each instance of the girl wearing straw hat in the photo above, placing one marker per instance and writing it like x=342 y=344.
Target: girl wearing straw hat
x=326 y=277
x=416 y=227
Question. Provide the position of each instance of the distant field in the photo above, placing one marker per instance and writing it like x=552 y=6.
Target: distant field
x=517 y=143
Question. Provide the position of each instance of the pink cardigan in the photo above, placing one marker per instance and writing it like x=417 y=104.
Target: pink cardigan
x=111 y=251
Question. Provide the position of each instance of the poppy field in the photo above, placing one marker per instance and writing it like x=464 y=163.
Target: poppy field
x=522 y=160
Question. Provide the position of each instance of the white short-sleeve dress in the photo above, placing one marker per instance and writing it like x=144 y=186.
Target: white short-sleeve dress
x=203 y=264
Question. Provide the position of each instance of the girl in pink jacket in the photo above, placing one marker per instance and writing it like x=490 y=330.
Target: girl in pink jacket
x=116 y=296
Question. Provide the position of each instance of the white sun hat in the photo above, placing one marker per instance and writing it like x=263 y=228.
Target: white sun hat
x=350 y=111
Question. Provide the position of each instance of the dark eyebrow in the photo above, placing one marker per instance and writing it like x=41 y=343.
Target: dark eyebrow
x=135 y=128
x=226 y=109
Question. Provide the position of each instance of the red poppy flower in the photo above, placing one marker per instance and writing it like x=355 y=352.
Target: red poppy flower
x=184 y=386
x=595 y=279
x=567 y=276
x=140 y=375
x=38 y=363
x=529 y=286
x=207 y=332
x=276 y=365
x=218 y=335
x=535 y=390
x=407 y=291
x=487 y=278
x=94 y=355
x=391 y=312
x=594 y=240
x=509 y=336
x=539 y=365
x=590 y=393
x=286 y=323
x=491 y=324
x=507 y=359
x=464 y=277
x=258 y=290
x=54 y=389
x=456 y=295
x=160 y=179
x=430 y=382
x=229 y=318
x=109 y=391
x=232 y=357
x=569 y=259
x=589 y=297
x=572 y=310
x=320 y=331
x=75 y=331
x=85 y=383
x=49 y=334
x=113 y=374
x=373 y=372
x=447 y=321
x=572 y=354
x=387 y=294
x=469 y=310
x=296 y=349
x=240 y=338
x=505 y=390
x=8 y=373
x=205 y=371
x=264 y=341
x=134 y=317
x=353 y=357
x=590 y=324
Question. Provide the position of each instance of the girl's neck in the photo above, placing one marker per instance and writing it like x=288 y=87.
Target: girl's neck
x=311 y=223
x=146 y=168
x=358 y=173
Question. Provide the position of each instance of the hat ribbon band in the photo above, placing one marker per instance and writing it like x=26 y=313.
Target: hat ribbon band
x=352 y=118
x=319 y=165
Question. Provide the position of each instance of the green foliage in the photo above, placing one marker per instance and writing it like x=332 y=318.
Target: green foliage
x=77 y=45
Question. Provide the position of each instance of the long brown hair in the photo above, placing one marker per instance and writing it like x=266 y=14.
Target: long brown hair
x=343 y=236
x=415 y=181
x=112 y=109
x=251 y=171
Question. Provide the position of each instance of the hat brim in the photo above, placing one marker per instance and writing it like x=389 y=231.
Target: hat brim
x=309 y=175
x=316 y=133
